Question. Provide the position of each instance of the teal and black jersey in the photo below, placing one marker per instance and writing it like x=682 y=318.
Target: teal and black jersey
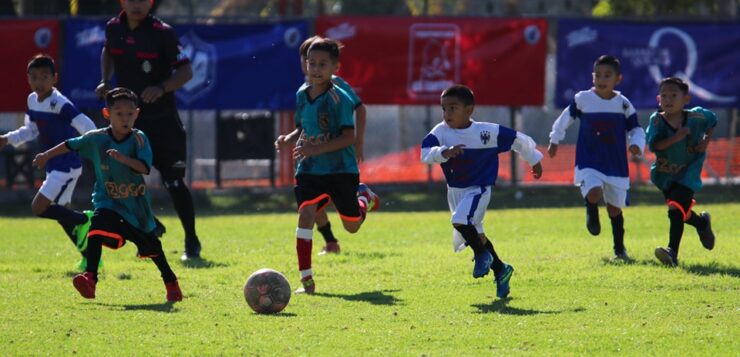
x=679 y=162
x=118 y=187
x=341 y=83
x=321 y=120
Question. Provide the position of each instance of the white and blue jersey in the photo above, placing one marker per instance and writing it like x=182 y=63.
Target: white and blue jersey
x=53 y=120
x=606 y=126
x=478 y=164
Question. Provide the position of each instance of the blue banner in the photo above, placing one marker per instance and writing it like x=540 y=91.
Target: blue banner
x=706 y=55
x=252 y=66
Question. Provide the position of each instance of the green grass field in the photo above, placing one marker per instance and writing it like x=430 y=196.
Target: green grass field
x=396 y=289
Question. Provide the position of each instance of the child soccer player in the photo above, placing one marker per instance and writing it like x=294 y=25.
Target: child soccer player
x=322 y=220
x=608 y=121
x=53 y=118
x=327 y=167
x=468 y=152
x=679 y=139
x=120 y=155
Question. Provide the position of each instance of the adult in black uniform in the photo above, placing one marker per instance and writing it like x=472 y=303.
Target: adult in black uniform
x=144 y=53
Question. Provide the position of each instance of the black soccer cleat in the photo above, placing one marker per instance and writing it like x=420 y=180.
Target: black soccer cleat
x=706 y=236
x=666 y=256
x=592 y=222
x=192 y=249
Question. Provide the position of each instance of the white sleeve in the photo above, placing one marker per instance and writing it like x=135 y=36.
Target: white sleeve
x=636 y=136
x=433 y=155
x=83 y=124
x=27 y=132
x=563 y=122
x=527 y=148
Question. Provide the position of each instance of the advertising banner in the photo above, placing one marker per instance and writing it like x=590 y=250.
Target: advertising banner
x=252 y=66
x=706 y=55
x=22 y=39
x=399 y=60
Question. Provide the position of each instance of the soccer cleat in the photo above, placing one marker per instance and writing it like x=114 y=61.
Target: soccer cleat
x=666 y=256
x=82 y=265
x=502 y=281
x=373 y=201
x=309 y=287
x=706 y=236
x=85 y=284
x=81 y=230
x=173 y=291
x=622 y=255
x=482 y=264
x=192 y=249
x=592 y=222
x=330 y=248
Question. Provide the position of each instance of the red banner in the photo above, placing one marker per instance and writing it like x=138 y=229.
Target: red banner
x=407 y=60
x=22 y=39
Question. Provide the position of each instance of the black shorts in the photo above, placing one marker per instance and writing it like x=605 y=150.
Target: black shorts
x=169 y=144
x=321 y=189
x=114 y=231
x=681 y=194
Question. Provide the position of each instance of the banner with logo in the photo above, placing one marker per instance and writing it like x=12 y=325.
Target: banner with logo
x=706 y=55
x=252 y=66
x=405 y=60
x=21 y=40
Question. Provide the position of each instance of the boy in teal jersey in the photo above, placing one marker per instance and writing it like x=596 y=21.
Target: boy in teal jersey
x=679 y=139
x=120 y=155
x=327 y=168
x=322 y=220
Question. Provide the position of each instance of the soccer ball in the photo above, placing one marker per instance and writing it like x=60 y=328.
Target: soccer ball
x=267 y=291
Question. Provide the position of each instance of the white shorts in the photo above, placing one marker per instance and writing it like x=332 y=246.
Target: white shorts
x=468 y=207
x=58 y=186
x=614 y=188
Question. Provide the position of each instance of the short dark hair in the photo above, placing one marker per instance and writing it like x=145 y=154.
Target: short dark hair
x=326 y=45
x=40 y=61
x=609 y=61
x=303 y=50
x=461 y=92
x=680 y=83
x=117 y=94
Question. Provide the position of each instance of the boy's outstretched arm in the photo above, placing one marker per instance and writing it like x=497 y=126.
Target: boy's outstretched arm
x=309 y=149
x=680 y=134
x=527 y=149
x=561 y=124
x=360 y=118
x=41 y=158
x=135 y=164
x=434 y=153
x=27 y=132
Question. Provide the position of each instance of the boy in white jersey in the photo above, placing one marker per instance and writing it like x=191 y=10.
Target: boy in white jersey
x=327 y=166
x=322 y=220
x=53 y=118
x=468 y=153
x=608 y=122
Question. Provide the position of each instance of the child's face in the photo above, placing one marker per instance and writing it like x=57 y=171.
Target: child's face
x=122 y=115
x=605 y=78
x=455 y=113
x=41 y=80
x=136 y=10
x=671 y=99
x=320 y=67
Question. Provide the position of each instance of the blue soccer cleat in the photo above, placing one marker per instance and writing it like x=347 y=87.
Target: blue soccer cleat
x=502 y=281
x=482 y=264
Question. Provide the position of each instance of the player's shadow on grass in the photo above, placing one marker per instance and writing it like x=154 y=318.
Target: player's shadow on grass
x=502 y=307
x=201 y=263
x=378 y=297
x=712 y=268
x=161 y=307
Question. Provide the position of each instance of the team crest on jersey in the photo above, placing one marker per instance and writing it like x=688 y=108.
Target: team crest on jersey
x=323 y=121
x=485 y=136
x=53 y=104
x=146 y=66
